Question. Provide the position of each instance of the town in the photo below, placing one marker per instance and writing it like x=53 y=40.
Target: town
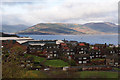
x=48 y=55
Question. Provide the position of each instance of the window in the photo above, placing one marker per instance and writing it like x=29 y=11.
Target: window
x=80 y=62
x=54 y=54
x=116 y=63
x=50 y=54
x=84 y=61
x=84 y=58
x=110 y=51
x=68 y=53
x=96 y=52
x=80 y=52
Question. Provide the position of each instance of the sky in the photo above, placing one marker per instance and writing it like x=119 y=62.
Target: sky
x=31 y=12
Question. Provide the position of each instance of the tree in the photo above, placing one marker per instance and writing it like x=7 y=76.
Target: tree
x=72 y=62
x=11 y=64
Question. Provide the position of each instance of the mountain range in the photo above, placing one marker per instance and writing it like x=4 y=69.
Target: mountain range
x=71 y=29
x=13 y=28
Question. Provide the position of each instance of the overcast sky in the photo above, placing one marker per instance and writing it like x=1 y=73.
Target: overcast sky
x=30 y=12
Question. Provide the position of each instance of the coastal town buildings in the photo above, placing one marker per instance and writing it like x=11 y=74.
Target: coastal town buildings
x=82 y=53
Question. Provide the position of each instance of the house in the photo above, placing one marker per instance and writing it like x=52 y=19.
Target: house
x=38 y=42
x=112 y=60
x=82 y=58
x=73 y=43
x=39 y=45
x=20 y=40
x=111 y=45
x=50 y=50
x=35 y=48
x=64 y=49
x=52 y=53
x=100 y=46
x=82 y=48
x=59 y=41
x=95 y=53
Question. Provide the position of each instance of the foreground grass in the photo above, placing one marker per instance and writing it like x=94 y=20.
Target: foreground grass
x=56 y=63
x=97 y=74
x=34 y=74
x=64 y=74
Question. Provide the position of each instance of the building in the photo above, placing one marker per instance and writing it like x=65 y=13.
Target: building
x=82 y=58
x=112 y=60
x=82 y=48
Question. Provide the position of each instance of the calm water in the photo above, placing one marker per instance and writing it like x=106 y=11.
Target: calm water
x=92 y=39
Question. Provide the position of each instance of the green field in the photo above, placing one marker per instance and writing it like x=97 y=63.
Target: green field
x=56 y=63
x=97 y=59
x=34 y=74
x=36 y=58
x=97 y=74
x=118 y=69
x=64 y=74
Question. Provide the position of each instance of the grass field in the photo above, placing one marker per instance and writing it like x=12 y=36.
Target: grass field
x=56 y=63
x=118 y=69
x=63 y=74
x=97 y=59
x=36 y=58
x=97 y=74
x=34 y=74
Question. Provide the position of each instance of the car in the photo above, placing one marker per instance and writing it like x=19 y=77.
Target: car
x=46 y=69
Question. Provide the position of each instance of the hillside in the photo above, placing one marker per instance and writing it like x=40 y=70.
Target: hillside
x=50 y=28
x=61 y=28
x=13 y=28
x=103 y=27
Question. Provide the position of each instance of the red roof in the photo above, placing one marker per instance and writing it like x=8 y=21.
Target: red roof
x=96 y=48
x=65 y=48
x=81 y=44
x=63 y=44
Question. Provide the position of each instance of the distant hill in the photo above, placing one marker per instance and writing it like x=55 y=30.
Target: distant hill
x=61 y=28
x=13 y=28
x=50 y=28
x=103 y=27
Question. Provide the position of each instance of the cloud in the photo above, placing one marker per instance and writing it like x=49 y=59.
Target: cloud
x=64 y=11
